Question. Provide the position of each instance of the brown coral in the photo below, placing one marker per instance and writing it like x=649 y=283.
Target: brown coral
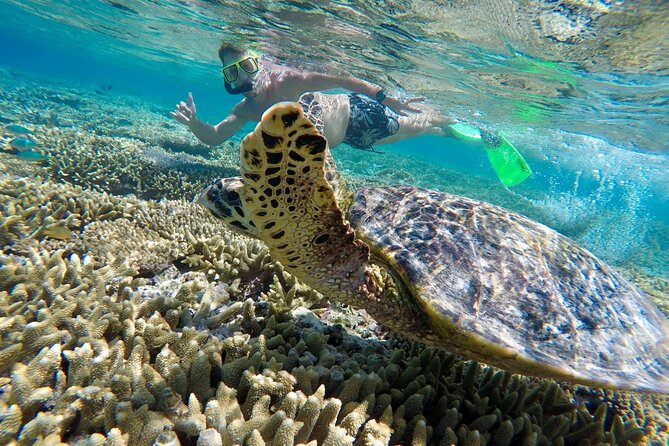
x=151 y=323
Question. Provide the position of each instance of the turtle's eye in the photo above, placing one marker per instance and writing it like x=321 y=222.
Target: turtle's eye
x=321 y=238
x=233 y=196
x=212 y=193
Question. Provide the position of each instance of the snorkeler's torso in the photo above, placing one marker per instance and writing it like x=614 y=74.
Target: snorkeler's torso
x=329 y=113
x=277 y=85
x=269 y=88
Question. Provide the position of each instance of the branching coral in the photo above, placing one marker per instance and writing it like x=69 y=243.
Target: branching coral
x=124 y=165
x=151 y=324
x=120 y=367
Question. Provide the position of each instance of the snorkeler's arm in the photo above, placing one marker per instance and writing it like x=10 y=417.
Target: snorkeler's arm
x=239 y=115
x=211 y=135
x=324 y=81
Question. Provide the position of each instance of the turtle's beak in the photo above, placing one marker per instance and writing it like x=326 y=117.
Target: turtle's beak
x=212 y=198
x=203 y=199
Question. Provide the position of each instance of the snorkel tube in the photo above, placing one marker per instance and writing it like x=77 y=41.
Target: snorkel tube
x=247 y=86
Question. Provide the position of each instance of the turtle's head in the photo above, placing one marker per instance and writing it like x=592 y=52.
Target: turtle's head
x=223 y=199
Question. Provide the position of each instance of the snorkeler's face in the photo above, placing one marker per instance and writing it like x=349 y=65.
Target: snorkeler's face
x=238 y=75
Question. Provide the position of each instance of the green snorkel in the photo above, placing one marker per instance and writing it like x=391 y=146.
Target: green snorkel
x=509 y=165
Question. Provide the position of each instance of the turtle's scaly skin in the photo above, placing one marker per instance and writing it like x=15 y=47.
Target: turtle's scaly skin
x=449 y=271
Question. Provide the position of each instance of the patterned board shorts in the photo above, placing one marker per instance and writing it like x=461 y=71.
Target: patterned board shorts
x=369 y=122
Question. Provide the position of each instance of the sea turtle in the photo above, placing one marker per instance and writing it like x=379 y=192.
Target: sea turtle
x=446 y=270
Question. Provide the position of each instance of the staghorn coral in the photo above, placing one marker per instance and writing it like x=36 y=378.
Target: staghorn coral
x=161 y=234
x=100 y=224
x=124 y=165
x=11 y=163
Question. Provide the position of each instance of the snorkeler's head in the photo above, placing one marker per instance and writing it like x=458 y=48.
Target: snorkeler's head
x=229 y=53
x=239 y=68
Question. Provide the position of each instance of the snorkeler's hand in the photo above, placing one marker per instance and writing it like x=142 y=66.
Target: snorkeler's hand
x=401 y=107
x=185 y=111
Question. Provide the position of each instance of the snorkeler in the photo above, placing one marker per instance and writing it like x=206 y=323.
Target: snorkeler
x=363 y=122
x=263 y=84
x=362 y=119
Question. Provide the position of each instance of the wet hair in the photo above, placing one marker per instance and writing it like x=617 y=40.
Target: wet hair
x=230 y=51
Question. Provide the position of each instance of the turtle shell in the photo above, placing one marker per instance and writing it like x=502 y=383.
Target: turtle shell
x=514 y=293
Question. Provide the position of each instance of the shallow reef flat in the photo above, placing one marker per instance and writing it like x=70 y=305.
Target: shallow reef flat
x=155 y=157
x=131 y=321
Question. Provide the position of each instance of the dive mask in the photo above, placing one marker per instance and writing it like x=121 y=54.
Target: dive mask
x=231 y=74
x=231 y=71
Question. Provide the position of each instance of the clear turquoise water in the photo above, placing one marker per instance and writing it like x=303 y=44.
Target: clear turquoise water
x=580 y=88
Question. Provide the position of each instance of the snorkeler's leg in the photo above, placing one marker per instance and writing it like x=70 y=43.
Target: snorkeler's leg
x=505 y=160
x=419 y=124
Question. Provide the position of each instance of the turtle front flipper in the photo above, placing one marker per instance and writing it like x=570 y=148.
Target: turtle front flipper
x=292 y=204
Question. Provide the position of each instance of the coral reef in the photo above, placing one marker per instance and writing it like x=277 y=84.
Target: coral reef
x=149 y=236
x=113 y=143
x=93 y=351
x=127 y=321
x=49 y=104
x=122 y=166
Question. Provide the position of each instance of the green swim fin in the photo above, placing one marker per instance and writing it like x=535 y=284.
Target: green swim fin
x=506 y=161
x=509 y=165
x=465 y=132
